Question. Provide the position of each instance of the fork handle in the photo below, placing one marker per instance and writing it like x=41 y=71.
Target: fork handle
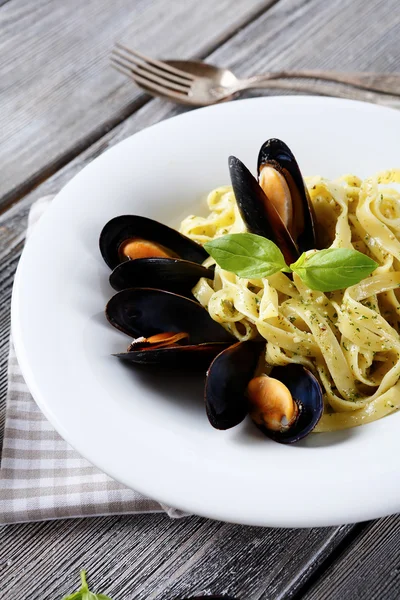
x=376 y=82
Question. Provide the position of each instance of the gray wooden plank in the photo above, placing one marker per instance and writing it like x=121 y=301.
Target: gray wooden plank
x=145 y=557
x=338 y=35
x=368 y=569
x=58 y=92
x=278 y=31
x=240 y=560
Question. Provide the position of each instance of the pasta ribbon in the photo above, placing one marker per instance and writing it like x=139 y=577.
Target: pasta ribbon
x=348 y=338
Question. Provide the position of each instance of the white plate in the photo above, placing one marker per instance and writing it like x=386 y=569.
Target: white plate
x=150 y=432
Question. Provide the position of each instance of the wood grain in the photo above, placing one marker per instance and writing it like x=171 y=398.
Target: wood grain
x=151 y=556
x=336 y=35
x=312 y=34
x=277 y=32
x=388 y=83
x=58 y=92
x=368 y=569
x=146 y=557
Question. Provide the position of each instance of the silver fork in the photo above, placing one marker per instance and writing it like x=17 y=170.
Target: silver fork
x=201 y=84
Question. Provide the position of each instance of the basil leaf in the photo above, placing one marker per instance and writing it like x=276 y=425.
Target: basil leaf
x=333 y=269
x=84 y=593
x=247 y=255
x=75 y=596
x=88 y=595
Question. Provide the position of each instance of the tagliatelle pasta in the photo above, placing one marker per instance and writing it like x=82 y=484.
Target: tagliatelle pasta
x=348 y=338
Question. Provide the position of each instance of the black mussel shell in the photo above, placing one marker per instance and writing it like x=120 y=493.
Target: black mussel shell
x=258 y=213
x=146 y=311
x=306 y=391
x=125 y=227
x=170 y=274
x=226 y=383
x=191 y=356
x=277 y=154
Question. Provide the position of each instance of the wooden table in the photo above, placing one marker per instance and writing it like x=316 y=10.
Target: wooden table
x=61 y=106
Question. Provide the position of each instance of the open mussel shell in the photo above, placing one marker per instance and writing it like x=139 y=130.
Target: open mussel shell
x=120 y=230
x=189 y=356
x=170 y=274
x=258 y=213
x=306 y=392
x=147 y=311
x=276 y=154
x=226 y=383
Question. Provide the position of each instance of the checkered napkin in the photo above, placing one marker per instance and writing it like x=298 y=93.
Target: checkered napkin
x=41 y=476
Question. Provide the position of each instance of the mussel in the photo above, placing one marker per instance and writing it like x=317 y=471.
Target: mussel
x=165 y=339
x=168 y=329
x=286 y=404
x=128 y=237
x=277 y=206
x=146 y=311
x=281 y=179
x=258 y=212
x=143 y=252
x=189 y=356
x=226 y=383
x=169 y=274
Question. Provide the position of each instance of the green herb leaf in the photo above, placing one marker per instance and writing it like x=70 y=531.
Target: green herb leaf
x=84 y=593
x=333 y=269
x=75 y=596
x=247 y=255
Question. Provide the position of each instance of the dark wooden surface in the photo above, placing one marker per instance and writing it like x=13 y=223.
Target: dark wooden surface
x=61 y=106
x=368 y=568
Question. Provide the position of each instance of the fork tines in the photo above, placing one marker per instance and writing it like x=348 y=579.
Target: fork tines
x=151 y=74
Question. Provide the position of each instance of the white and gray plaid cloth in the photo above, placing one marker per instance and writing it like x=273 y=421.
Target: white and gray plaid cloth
x=41 y=476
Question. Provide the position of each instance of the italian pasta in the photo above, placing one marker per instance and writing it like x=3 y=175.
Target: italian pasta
x=349 y=338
